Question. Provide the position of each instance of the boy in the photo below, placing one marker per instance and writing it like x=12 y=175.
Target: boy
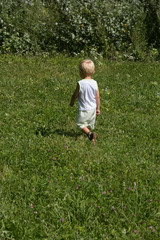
x=87 y=93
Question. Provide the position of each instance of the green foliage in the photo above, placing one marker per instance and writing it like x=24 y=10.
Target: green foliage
x=21 y=28
x=98 y=25
x=112 y=29
x=13 y=42
x=54 y=183
x=152 y=22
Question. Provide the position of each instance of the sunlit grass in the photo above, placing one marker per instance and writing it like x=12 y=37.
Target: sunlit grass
x=54 y=183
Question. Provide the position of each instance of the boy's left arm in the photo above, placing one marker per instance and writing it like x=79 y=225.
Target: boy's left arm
x=98 y=103
x=74 y=96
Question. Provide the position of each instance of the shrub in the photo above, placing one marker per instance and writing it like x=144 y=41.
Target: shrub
x=96 y=24
x=152 y=22
x=113 y=29
x=18 y=27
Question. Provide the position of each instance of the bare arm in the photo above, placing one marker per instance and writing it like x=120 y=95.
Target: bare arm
x=74 y=96
x=98 y=103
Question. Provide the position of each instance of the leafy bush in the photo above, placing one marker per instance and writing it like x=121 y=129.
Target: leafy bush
x=152 y=22
x=96 y=24
x=19 y=26
x=114 y=29
x=13 y=41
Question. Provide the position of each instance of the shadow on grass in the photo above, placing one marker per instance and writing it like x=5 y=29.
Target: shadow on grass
x=47 y=131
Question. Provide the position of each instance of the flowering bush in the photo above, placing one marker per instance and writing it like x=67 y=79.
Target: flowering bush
x=107 y=28
x=17 y=33
x=14 y=41
x=100 y=25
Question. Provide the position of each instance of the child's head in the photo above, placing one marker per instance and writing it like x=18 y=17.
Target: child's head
x=87 y=68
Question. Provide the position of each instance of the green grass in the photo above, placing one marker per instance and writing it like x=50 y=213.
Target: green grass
x=54 y=183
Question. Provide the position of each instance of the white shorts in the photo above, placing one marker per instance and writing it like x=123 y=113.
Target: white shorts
x=86 y=119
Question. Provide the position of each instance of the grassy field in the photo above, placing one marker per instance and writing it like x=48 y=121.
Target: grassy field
x=55 y=184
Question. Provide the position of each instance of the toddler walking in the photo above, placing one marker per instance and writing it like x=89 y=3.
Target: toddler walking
x=87 y=93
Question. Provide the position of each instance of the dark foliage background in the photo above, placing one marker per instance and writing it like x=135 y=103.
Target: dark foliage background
x=113 y=29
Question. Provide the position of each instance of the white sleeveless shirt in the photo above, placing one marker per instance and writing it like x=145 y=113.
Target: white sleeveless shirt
x=87 y=94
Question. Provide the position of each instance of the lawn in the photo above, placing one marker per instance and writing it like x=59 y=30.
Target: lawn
x=54 y=183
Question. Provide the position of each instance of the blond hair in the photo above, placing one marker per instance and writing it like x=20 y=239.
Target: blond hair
x=87 y=67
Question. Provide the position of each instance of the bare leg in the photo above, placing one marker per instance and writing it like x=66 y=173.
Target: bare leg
x=88 y=133
x=91 y=135
x=85 y=130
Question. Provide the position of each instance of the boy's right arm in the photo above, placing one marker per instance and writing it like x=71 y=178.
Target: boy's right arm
x=74 y=96
x=98 y=103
